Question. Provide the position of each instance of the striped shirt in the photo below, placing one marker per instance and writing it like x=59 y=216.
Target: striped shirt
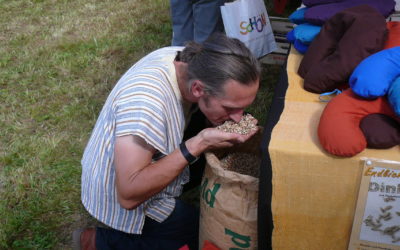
x=145 y=102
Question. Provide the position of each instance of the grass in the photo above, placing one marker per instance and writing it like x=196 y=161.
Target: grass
x=59 y=60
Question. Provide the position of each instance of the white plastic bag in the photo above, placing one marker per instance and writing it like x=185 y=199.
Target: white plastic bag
x=247 y=20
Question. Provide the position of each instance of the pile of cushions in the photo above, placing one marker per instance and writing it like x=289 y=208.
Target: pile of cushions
x=367 y=114
x=303 y=33
x=357 y=51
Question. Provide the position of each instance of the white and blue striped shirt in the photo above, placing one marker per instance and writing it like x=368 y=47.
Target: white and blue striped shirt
x=145 y=102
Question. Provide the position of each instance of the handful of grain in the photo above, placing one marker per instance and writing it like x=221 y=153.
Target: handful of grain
x=242 y=163
x=244 y=126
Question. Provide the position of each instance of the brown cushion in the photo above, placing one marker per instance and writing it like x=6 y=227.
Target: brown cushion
x=344 y=41
x=380 y=131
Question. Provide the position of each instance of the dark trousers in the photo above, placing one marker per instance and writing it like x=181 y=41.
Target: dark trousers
x=179 y=229
x=195 y=20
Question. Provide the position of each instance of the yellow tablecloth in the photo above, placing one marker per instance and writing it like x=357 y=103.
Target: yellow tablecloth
x=314 y=193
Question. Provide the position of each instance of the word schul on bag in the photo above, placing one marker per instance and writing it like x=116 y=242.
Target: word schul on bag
x=255 y=23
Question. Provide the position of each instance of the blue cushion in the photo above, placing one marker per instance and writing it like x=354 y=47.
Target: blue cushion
x=290 y=36
x=374 y=75
x=301 y=47
x=297 y=16
x=302 y=35
x=306 y=32
x=394 y=96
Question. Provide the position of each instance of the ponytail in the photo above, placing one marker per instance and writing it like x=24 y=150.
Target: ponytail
x=219 y=59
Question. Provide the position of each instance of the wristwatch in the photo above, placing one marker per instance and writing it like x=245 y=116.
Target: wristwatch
x=188 y=156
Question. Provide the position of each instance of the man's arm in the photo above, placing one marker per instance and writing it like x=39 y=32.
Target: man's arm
x=138 y=179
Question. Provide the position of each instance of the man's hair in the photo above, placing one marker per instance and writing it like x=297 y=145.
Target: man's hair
x=217 y=60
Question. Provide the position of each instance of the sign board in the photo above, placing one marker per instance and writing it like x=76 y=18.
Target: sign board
x=376 y=222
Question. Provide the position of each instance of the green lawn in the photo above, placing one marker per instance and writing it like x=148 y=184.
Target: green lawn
x=58 y=61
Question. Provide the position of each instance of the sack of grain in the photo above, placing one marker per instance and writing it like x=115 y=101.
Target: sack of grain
x=229 y=196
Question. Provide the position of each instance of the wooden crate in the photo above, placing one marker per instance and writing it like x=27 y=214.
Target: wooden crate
x=280 y=27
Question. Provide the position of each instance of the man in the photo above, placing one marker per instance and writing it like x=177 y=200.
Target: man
x=135 y=163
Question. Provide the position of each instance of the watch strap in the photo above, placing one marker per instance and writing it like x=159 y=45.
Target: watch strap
x=188 y=156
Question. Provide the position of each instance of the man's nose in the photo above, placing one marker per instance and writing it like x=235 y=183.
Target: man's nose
x=236 y=116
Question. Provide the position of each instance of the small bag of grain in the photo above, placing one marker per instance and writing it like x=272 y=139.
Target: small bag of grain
x=229 y=193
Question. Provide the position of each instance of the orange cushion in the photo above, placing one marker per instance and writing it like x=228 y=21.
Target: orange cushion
x=339 y=126
x=393 y=38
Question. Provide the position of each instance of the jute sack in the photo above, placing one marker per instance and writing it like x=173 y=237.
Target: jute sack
x=228 y=202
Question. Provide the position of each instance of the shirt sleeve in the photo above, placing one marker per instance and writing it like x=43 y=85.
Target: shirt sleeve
x=140 y=111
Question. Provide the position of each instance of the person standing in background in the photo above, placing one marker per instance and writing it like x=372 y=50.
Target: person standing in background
x=195 y=20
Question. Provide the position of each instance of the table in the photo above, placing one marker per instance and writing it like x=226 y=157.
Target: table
x=307 y=196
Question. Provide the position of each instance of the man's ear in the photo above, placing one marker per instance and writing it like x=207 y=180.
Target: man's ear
x=197 y=88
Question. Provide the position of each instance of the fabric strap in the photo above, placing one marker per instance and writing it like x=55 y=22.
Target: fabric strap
x=188 y=156
x=265 y=223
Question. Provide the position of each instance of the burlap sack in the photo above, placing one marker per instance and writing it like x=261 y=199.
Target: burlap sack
x=228 y=201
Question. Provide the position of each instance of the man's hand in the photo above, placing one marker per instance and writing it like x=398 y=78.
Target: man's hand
x=212 y=138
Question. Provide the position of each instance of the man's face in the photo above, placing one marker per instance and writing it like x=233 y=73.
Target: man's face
x=229 y=106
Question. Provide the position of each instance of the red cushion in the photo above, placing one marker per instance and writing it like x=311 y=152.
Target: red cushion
x=339 y=126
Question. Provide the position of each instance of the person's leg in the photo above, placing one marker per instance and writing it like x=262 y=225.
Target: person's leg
x=179 y=229
x=182 y=21
x=207 y=18
x=181 y=226
x=111 y=239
